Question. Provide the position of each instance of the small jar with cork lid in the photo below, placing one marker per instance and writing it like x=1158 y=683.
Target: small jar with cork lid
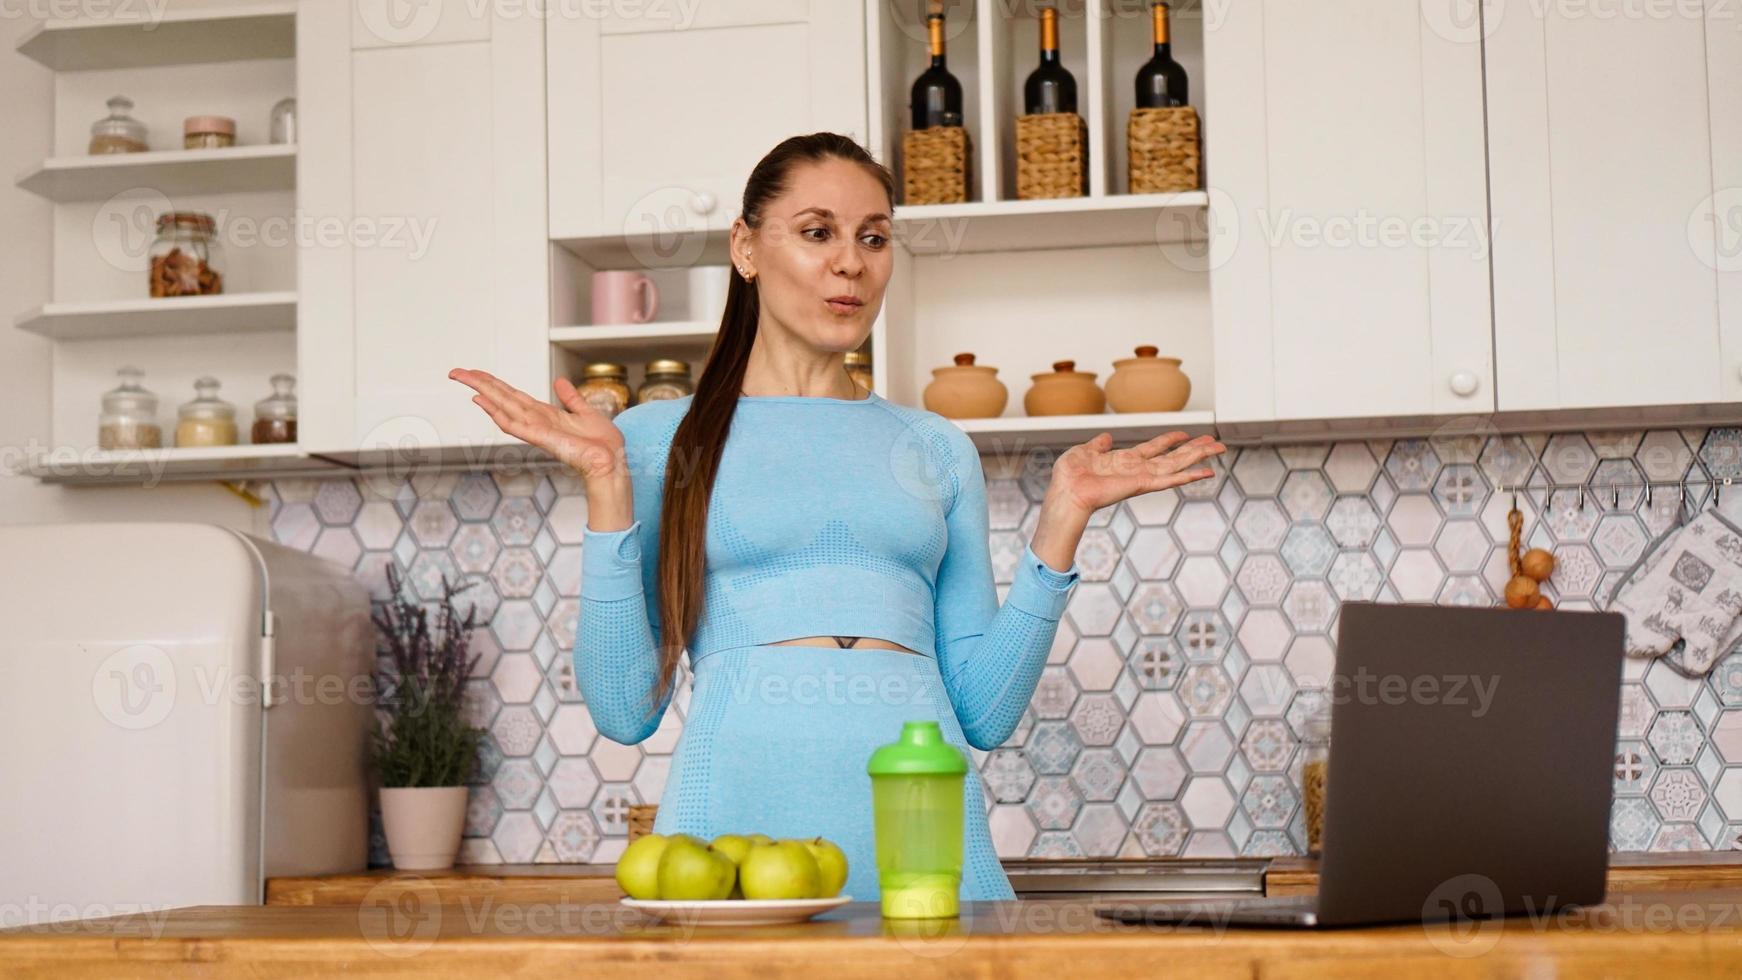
x=208 y=132
x=207 y=420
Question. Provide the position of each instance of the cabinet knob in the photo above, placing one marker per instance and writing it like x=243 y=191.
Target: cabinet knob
x=1464 y=383
x=702 y=203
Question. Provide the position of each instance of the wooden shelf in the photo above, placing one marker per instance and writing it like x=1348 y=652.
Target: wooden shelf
x=240 y=32
x=1072 y=222
x=1020 y=433
x=146 y=467
x=637 y=341
x=172 y=173
x=170 y=316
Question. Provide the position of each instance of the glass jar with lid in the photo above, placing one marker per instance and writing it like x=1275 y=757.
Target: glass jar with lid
x=605 y=386
x=1315 y=754
x=185 y=256
x=275 y=415
x=282 y=125
x=129 y=419
x=207 y=420
x=208 y=132
x=666 y=378
x=859 y=368
x=118 y=132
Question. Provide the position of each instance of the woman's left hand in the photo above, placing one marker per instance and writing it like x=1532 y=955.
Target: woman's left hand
x=1093 y=475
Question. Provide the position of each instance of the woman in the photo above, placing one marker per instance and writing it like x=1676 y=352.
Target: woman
x=844 y=584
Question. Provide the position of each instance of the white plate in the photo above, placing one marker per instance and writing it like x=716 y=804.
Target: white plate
x=736 y=911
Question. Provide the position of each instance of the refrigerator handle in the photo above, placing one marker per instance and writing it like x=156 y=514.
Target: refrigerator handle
x=268 y=633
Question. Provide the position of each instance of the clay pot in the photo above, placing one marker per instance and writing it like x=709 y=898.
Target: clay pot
x=423 y=825
x=966 y=390
x=1064 y=391
x=1147 y=383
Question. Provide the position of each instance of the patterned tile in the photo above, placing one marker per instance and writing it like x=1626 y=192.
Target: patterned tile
x=1167 y=720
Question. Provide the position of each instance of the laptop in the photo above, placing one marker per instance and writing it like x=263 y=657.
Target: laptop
x=1470 y=772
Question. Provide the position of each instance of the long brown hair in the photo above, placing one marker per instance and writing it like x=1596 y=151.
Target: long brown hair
x=701 y=436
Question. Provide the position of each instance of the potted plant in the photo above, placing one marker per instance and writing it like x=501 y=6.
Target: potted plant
x=424 y=750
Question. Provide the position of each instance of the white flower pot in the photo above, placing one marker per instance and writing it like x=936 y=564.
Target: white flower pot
x=423 y=825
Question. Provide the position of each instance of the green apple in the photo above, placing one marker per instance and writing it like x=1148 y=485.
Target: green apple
x=831 y=864
x=690 y=871
x=735 y=846
x=783 y=869
x=761 y=839
x=638 y=868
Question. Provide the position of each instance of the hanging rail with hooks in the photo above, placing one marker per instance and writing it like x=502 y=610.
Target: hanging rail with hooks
x=1615 y=489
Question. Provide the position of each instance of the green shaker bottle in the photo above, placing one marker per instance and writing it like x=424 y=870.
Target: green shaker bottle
x=916 y=802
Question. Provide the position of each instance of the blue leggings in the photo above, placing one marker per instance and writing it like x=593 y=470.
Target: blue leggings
x=776 y=740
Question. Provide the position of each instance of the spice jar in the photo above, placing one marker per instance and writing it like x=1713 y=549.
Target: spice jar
x=605 y=386
x=283 y=122
x=666 y=378
x=207 y=420
x=118 y=132
x=183 y=258
x=208 y=132
x=859 y=368
x=275 y=415
x=1315 y=753
x=129 y=419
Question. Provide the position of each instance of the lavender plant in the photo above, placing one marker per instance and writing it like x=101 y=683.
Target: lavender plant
x=420 y=682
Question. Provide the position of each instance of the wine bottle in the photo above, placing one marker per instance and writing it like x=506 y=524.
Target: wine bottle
x=1161 y=82
x=936 y=99
x=1050 y=87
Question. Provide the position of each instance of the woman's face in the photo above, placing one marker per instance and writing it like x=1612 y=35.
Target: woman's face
x=827 y=238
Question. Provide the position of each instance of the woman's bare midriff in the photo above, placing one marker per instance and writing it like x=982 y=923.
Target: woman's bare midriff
x=843 y=642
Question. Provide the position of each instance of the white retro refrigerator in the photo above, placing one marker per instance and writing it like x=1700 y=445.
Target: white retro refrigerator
x=144 y=763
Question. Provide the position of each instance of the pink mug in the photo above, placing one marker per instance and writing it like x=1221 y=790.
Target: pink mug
x=623 y=296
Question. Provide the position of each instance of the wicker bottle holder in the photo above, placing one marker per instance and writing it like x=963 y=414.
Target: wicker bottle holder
x=641 y=819
x=935 y=165
x=1052 y=156
x=1163 y=150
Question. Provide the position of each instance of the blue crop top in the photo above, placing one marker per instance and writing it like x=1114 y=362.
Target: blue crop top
x=829 y=516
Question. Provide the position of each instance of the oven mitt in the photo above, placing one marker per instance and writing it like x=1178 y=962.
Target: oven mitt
x=1684 y=600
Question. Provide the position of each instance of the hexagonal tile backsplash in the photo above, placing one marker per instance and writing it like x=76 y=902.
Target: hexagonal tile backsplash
x=1162 y=724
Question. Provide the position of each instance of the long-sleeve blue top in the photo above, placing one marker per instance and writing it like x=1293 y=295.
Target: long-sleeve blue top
x=828 y=517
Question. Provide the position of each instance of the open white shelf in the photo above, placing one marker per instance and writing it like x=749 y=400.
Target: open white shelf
x=1015 y=434
x=169 y=172
x=599 y=340
x=166 y=316
x=198 y=35
x=1070 y=222
x=148 y=466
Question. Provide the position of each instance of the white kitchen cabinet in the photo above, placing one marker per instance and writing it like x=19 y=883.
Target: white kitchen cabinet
x=395 y=23
x=433 y=157
x=1615 y=149
x=1344 y=152
x=657 y=112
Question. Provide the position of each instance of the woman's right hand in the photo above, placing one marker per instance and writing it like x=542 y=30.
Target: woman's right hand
x=582 y=437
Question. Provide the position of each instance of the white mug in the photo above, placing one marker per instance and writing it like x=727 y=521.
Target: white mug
x=708 y=284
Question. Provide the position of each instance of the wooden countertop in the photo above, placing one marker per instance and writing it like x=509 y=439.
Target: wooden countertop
x=1663 y=934
x=1628 y=872
x=574 y=883
x=552 y=883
